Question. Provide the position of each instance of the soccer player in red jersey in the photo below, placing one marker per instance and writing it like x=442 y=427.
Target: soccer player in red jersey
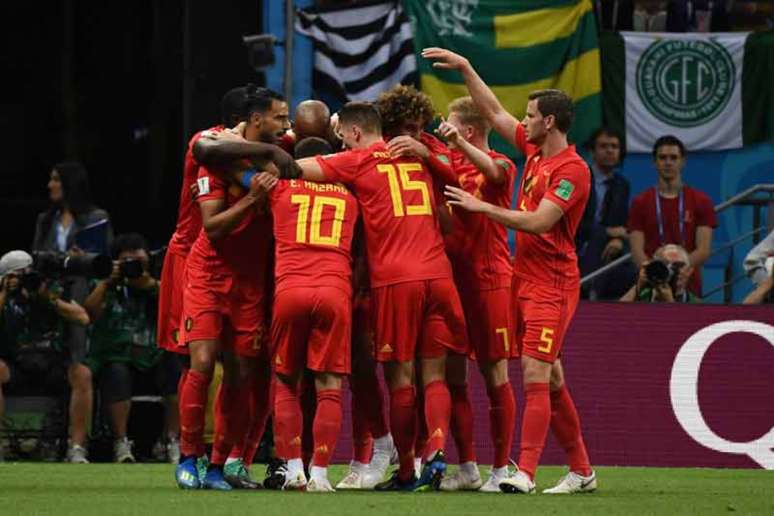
x=553 y=193
x=417 y=313
x=189 y=224
x=224 y=306
x=312 y=317
x=478 y=250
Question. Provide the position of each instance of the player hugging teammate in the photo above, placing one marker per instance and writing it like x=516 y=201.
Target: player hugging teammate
x=440 y=289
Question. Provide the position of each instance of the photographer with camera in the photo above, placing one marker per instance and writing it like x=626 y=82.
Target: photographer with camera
x=664 y=279
x=123 y=352
x=34 y=315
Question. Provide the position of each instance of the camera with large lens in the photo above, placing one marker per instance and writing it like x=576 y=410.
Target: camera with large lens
x=132 y=268
x=51 y=264
x=659 y=272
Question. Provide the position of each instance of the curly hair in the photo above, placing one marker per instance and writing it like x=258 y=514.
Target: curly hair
x=403 y=103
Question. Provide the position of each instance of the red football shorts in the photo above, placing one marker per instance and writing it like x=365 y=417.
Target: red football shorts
x=312 y=328
x=489 y=317
x=542 y=316
x=213 y=302
x=171 y=303
x=417 y=319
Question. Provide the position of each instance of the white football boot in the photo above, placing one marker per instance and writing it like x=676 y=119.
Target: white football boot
x=574 y=483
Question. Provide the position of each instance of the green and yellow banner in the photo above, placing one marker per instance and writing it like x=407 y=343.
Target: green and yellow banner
x=517 y=46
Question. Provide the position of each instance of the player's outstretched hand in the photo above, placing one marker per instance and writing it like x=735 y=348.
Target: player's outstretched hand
x=407 y=146
x=448 y=131
x=445 y=59
x=461 y=198
x=261 y=184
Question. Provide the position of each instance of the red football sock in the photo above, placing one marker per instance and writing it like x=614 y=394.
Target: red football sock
x=327 y=424
x=420 y=442
x=192 y=404
x=403 y=420
x=437 y=414
x=462 y=422
x=366 y=388
x=534 y=427
x=308 y=408
x=502 y=420
x=261 y=404
x=362 y=440
x=181 y=381
x=231 y=419
x=287 y=421
x=565 y=424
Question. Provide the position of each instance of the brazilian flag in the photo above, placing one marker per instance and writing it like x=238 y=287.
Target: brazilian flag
x=516 y=46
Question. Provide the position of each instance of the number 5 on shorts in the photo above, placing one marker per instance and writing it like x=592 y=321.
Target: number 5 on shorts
x=547 y=338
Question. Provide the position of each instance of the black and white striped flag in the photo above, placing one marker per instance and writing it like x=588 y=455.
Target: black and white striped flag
x=360 y=51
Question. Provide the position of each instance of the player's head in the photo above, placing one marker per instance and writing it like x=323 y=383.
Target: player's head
x=266 y=115
x=605 y=147
x=548 y=111
x=404 y=111
x=669 y=157
x=68 y=186
x=465 y=116
x=232 y=106
x=359 y=124
x=312 y=119
x=312 y=146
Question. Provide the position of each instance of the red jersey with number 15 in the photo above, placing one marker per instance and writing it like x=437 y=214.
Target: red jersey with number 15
x=189 y=217
x=403 y=240
x=477 y=245
x=313 y=228
x=565 y=180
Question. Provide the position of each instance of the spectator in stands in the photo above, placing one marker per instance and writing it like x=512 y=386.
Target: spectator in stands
x=33 y=316
x=123 y=348
x=57 y=229
x=604 y=221
x=664 y=279
x=759 y=264
x=672 y=213
x=752 y=15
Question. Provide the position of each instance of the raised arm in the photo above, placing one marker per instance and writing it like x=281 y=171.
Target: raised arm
x=486 y=101
x=494 y=173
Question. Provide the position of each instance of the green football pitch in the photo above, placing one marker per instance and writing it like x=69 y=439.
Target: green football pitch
x=39 y=488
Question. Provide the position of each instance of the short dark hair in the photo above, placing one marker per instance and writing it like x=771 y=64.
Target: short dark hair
x=127 y=242
x=556 y=103
x=232 y=106
x=604 y=130
x=311 y=146
x=669 y=140
x=364 y=114
x=259 y=100
x=76 y=193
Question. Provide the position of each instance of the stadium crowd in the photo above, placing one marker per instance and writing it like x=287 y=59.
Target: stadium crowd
x=311 y=251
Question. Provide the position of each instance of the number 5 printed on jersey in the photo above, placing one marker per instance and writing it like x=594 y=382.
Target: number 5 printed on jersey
x=400 y=181
x=320 y=203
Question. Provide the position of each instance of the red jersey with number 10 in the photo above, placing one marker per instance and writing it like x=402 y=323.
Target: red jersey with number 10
x=403 y=240
x=313 y=228
x=565 y=180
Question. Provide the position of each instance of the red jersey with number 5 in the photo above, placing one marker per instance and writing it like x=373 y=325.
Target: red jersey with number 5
x=313 y=228
x=403 y=240
x=565 y=180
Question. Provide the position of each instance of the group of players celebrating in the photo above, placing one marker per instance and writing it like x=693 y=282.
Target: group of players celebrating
x=297 y=273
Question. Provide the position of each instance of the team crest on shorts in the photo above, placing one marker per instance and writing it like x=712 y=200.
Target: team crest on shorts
x=188 y=324
x=176 y=336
